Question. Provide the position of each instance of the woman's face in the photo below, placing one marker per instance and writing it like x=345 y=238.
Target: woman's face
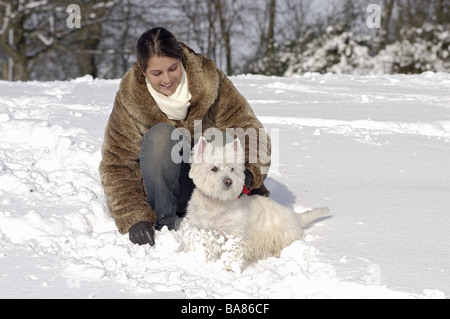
x=164 y=74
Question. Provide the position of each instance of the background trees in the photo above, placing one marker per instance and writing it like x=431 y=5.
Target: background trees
x=272 y=37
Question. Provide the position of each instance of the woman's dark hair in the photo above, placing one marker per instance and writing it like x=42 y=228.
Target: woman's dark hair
x=157 y=42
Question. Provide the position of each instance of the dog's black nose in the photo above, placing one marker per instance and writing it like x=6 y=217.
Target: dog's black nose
x=227 y=182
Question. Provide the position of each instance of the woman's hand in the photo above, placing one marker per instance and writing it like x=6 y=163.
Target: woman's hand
x=142 y=233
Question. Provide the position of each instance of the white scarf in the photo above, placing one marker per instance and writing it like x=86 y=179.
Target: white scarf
x=176 y=105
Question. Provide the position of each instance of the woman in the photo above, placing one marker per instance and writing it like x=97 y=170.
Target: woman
x=168 y=90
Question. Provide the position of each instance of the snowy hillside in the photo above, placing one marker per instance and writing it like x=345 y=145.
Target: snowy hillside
x=374 y=149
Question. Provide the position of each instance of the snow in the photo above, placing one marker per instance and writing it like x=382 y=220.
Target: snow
x=374 y=149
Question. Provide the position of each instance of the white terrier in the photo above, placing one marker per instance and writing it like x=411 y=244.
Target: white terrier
x=241 y=229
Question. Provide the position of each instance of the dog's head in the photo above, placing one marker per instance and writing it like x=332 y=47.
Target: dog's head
x=218 y=171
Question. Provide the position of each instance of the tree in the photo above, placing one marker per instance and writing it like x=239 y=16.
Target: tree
x=85 y=41
x=270 y=42
x=22 y=33
x=226 y=21
x=266 y=59
x=30 y=30
x=201 y=27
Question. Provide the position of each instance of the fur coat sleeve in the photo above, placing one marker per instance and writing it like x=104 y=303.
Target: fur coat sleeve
x=215 y=103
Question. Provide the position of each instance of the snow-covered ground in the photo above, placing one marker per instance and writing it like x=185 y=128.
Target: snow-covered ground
x=374 y=149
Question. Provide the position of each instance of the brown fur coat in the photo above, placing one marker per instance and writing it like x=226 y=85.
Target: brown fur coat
x=215 y=101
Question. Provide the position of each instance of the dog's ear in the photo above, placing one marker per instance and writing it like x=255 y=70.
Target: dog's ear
x=201 y=145
x=237 y=145
x=239 y=156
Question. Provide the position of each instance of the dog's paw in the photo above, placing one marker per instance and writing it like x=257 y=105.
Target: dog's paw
x=233 y=254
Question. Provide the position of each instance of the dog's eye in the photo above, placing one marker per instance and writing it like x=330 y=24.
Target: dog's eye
x=232 y=169
x=214 y=169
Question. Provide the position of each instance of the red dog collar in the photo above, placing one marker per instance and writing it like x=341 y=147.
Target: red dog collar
x=245 y=191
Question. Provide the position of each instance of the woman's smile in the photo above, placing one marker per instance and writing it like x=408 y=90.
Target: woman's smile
x=168 y=86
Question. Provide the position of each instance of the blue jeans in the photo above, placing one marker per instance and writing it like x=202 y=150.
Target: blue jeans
x=166 y=179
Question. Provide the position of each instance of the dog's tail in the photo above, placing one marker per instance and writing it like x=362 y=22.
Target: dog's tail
x=311 y=215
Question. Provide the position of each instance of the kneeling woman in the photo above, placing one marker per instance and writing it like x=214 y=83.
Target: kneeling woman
x=165 y=92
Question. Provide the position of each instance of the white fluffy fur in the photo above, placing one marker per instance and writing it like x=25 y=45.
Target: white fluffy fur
x=263 y=226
